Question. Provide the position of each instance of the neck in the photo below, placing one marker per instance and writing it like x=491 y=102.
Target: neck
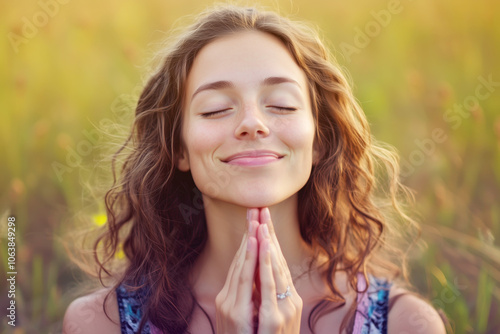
x=226 y=224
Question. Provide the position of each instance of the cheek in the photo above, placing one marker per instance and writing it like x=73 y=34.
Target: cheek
x=200 y=140
x=300 y=136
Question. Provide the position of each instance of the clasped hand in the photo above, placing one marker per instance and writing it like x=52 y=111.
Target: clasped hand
x=248 y=301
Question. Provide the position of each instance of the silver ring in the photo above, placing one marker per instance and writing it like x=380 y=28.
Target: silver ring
x=283 y=295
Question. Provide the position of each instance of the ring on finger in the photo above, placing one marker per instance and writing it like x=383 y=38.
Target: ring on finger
x=285 y=294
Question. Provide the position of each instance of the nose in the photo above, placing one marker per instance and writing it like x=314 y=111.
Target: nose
x=252 y=124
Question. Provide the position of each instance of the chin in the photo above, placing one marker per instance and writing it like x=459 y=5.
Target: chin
x=256 y=203
x=256 y=199
x=252 y=194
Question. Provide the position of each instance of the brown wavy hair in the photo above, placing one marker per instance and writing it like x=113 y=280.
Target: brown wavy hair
x=350 y=208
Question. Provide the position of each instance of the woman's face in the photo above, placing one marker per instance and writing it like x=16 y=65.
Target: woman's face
x=247 y=127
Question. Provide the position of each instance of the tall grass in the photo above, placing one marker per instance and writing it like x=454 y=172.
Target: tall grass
x=75 y=71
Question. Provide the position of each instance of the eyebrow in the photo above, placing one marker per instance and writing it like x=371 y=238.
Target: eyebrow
x=223 y=84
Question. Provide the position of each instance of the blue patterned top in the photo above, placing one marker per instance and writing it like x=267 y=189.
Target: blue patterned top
x=373 y=307
x=129 y=307
x=370 y=318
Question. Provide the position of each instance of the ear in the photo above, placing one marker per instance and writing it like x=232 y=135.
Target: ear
x=183 y=161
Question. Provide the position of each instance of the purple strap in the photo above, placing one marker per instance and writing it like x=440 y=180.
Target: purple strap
x=362 y=308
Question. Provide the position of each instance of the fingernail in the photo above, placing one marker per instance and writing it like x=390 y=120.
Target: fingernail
x=266 y=215
x=250 y=227
x=249 y=245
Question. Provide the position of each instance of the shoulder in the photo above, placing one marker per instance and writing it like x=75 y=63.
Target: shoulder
x=86 y=314
x=411 y=314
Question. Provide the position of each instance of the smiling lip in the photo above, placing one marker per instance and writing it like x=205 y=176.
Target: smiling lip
x=252 y=158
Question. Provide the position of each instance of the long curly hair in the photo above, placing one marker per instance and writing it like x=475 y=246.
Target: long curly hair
x=350 y=209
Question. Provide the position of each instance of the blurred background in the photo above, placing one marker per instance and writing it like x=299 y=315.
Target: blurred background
x=426 y=73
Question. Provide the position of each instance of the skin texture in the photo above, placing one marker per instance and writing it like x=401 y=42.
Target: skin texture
x=251 y=208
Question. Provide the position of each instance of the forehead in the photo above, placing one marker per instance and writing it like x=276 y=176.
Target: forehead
x=243 y=58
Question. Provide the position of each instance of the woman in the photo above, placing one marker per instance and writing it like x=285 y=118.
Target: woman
x=249 y=196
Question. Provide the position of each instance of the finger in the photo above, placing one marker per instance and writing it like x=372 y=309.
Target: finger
x=245 y=277
x=235 y=263
x=238 y=252
x=253 y=217
x=265 y=218
x=267 y=283
x=240 y=263
x=253 y=214
x=280 y=277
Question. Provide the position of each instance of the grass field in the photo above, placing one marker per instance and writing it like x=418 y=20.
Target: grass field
x=425 y=72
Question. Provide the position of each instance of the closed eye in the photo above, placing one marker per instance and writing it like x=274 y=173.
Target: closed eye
x=214 y=113
x=282 y=109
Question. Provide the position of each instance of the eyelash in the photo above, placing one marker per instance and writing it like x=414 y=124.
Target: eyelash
x=214 y=113
x=283 y=108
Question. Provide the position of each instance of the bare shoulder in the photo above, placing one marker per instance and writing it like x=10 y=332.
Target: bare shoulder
x=411 y=314
x=86 y=314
